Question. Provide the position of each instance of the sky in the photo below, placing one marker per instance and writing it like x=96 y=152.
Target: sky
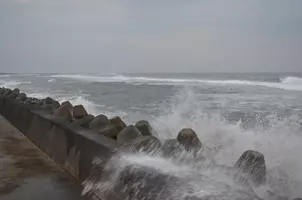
x=103 y=36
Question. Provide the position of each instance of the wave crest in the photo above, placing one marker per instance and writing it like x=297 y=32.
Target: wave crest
x=288 y=83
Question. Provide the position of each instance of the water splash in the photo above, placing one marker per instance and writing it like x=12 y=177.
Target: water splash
x=279 y=140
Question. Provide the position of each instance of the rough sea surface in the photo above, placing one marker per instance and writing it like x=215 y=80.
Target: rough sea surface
x=230 y=113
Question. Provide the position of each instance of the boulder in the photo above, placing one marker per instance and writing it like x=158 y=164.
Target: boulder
x=172 y=148
x=12 y=95
x=1 y=90
x=85 y=121
x=56 y=104
x=109 y=130
x=144 y=127
x=64 y=111
x=118 y=123
x=27 y=100
x=98 y=122
x=252 y=163
x=67 y=103
x=49 y=108
x=21 y=97
x=7 y=92
x=188 y=138
x=79 y=112
x=127 y=134
x=48 y=100
x=148 y=144
x=17 y=91
x=30 y=100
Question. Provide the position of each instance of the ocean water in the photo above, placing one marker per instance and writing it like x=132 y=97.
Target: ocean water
x=230 y=113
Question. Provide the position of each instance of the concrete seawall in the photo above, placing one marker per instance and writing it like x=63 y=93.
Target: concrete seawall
x=70 y=146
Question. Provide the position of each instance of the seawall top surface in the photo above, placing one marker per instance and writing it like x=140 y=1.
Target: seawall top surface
x=27 y=173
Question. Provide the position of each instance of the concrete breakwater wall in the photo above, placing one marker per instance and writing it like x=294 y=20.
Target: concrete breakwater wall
x=69 y=145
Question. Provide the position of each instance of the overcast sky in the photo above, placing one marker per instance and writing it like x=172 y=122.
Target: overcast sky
x=150 y=35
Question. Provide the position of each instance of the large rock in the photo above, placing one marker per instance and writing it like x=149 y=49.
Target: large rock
x=56 y=104
x=127 y=134
x=148 y=144
x=13 y=95
x=7 y=92
x=252 y=163
x=188 y=138
x=98 y=122
x=65 y=111
x=172 y=148
x=144 y=127
x=79 y=112
x=118 y=123
x=2 y=90
x=109 y=130
x=16 y=90
x=48 y=100
x=85 y=121
x=67 y=103
x=32 y=101
x=49 y=108
x=21 y=97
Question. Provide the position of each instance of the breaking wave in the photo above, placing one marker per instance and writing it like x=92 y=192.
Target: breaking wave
x=12 y=83
x=224 y=142
x=288 y=83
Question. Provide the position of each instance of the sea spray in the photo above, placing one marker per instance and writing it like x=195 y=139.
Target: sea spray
x=279 y=140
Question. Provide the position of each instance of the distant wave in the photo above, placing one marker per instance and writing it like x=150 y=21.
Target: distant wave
x=51 y=80
x=12 y=83
x=4 y=75
x=288 y=83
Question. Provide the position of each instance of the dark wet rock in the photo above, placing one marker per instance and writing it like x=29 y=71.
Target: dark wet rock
x=85 y=121
x=148 y=144
x=48 y=100
x=109 y=130
x=188 y=138
x=7 y=92
x=50 y=103
x=144 y=127
x=56 y=104
x=30 y=100
x=49 y=108
x=16 y=90
x=252 y=163
x=118 y=123
x=99 y=121
x=127 y=134
x=21 y=97
x=12 y=95
x=1 y=90
x=79 y=111
x=64 y=111
x=67 y=103
x=27 y=101
x=173 y=148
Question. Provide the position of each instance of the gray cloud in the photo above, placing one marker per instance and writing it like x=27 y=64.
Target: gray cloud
x=150 y=36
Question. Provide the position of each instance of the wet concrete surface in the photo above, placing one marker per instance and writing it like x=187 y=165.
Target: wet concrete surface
x=27 y=173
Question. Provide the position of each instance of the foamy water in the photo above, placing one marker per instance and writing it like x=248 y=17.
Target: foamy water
x=288 y=83
x=280 y=143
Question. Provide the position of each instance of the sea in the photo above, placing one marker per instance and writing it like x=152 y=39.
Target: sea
x=229 y=112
